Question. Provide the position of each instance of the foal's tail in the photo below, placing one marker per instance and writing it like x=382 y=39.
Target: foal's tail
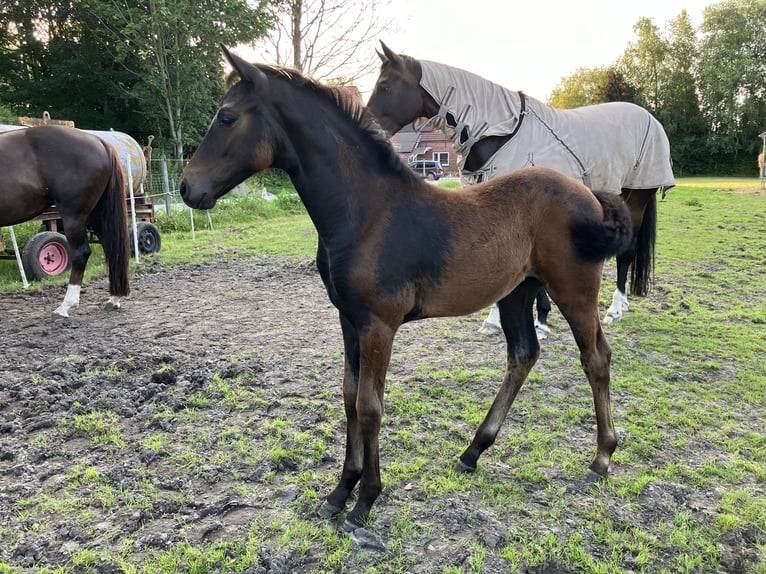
x=109 y=220
x=597 y=240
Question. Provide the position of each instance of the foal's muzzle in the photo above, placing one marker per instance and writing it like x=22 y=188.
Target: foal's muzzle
x=200 y=202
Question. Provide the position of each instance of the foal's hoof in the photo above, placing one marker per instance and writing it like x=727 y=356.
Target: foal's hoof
x=349 y=527
x=463 y=468
x=56 y=317
x=542 y=330
x=593 y=477
x=109 y=306
x=328 y=510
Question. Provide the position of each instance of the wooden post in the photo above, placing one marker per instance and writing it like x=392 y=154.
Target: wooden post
x=166 y=185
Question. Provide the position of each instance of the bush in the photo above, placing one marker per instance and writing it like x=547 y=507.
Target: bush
x=7 y=116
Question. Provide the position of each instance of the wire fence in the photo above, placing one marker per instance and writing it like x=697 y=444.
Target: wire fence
x=162 y=183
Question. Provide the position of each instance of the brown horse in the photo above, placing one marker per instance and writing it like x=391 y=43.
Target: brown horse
x=616 y=147
x=81 y=175
x=393 y=248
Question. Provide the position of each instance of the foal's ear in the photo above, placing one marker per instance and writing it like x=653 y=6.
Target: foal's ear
x=246 y=70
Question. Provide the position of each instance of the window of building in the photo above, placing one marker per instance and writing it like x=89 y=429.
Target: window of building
x=442 y=157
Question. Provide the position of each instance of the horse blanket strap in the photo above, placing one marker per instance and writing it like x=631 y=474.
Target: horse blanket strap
x=607 y=146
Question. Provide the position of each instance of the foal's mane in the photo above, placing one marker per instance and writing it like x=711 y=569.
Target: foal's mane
x=349 y=104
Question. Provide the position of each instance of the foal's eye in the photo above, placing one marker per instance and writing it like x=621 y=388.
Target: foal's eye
x=226 y=120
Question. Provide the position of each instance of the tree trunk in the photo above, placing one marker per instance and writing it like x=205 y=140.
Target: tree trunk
x=297 y=15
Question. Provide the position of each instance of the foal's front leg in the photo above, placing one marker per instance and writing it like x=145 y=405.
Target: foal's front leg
x=367 y=357
x=352 y=465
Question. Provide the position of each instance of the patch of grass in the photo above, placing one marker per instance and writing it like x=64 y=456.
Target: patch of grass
x=100 y=427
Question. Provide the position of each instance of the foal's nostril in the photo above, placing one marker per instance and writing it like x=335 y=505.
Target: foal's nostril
x=183 y=189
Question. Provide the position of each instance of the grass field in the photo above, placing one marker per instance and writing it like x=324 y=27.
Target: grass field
x=689 y=394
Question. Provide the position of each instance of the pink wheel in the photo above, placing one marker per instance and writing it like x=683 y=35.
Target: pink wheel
x=54 y=258
x=46 y=254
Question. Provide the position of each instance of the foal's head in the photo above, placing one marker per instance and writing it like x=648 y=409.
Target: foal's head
x=397 y=98
x=242 y=139
x=264 y=114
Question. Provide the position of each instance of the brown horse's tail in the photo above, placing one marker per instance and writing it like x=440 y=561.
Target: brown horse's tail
x=109 y=220
x=642 y=266
x=597 y=240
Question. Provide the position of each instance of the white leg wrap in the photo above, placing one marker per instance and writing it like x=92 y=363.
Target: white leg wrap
x=618 y=307
x=71 y=299
x=492 y=322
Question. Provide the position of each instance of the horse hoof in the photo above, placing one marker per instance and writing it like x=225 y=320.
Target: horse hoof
x=609 y=319
x=349 y=527
x=328 y=510
x=489 y=328
x=593 y=477
x=463 y=468
x=58 y=317
x=109 y=306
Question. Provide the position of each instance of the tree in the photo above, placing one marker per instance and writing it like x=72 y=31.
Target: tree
x=49 y=61
x=680 y=113
x=323 y=38
x=614 y=88
x=170 y=49
x=642 y=64
x=134 y=65
x=732 y=79
x=579 y=89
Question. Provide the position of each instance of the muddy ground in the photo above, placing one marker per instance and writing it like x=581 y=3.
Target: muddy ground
x=269 y=323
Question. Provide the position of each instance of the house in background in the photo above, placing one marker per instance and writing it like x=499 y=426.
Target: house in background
x=427 y=144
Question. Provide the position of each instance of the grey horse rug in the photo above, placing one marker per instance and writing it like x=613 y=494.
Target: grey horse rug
x=606 y=146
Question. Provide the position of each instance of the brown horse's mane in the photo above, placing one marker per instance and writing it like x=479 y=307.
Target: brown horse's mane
x=344 y=99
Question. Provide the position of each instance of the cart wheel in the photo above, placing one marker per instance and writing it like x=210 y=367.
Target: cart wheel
x=149 y=240
x=46 y=255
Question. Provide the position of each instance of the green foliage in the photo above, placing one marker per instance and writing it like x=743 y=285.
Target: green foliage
x=732 y=77
x=705 y=85
x=7 y=116
x=579 y=89
x=142 y=67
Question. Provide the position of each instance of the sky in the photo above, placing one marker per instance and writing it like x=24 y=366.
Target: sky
x=528 y=46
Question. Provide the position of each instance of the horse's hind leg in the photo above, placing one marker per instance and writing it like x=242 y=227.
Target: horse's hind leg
x=543 y=310
x=523 y=349
x=578 y=302
x=79 y=252
x=641 y=204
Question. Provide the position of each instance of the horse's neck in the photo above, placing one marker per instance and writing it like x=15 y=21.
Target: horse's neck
x=328 y=165
x=482 y=115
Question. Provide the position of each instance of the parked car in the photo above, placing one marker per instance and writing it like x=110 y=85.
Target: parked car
x=428 y=169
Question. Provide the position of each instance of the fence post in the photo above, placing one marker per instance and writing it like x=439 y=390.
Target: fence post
x=166 y=185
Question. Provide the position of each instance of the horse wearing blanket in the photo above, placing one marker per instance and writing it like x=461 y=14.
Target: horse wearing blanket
x=616 y=147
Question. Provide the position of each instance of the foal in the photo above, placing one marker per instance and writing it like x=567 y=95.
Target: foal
x=394 y=249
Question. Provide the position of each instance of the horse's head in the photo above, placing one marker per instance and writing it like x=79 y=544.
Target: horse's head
x=241 y=140
x=397 y=98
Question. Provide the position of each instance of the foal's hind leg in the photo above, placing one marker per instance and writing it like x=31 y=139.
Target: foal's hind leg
x=523 y=350
x=579 y=305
